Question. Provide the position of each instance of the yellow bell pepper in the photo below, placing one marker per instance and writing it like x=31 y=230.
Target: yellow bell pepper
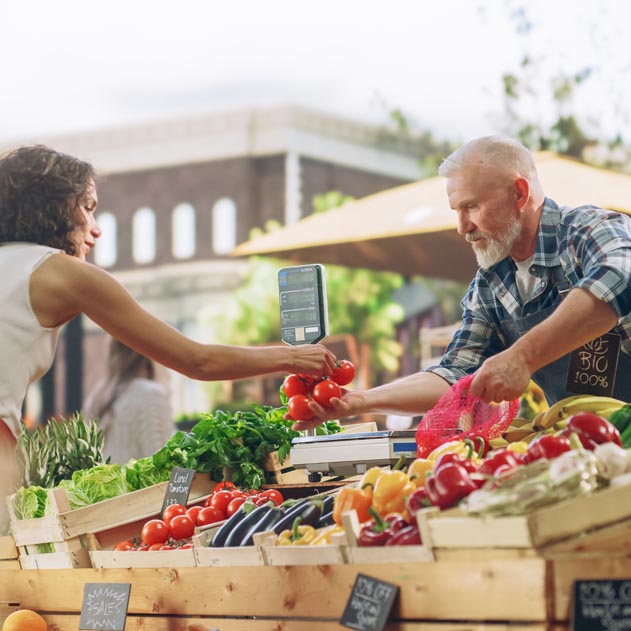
x=459 y=447
x=520 y=447
x=323 y=535
x=369 y=479
x=418 y=470
x=390 y=492
x=298 y=535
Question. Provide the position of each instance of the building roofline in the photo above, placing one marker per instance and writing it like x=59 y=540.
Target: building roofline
x=251 y=132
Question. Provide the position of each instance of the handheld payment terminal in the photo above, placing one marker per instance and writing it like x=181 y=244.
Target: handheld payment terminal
x=304 y=316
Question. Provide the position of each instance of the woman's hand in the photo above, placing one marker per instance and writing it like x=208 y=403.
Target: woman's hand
x=312 y=359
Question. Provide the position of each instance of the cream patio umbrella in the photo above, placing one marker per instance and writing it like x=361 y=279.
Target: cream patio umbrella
x=411 y=229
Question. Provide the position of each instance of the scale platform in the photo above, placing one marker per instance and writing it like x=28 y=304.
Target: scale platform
x=351 y=454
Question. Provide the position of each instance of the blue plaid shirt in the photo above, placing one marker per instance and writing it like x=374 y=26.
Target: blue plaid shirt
x=592 y=246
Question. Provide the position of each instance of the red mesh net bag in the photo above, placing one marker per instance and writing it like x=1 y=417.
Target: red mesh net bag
x=458 y=415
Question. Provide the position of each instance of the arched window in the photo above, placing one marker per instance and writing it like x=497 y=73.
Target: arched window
x=105 y=250
x=183 y=231
x=224 y=222
x=144 y=235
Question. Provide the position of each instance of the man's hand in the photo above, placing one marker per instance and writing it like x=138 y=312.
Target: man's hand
x=502 y=377
x=348 y=405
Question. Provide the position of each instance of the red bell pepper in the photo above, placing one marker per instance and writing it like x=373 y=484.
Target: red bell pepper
x=408 y=536
x=592 y=430
x=547 y=446
x=467 y=463
x=502 y=458
x=417 y=500
x=449 y=484
x=379 y=531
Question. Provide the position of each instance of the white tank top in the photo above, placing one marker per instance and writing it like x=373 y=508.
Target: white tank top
x=27 y=348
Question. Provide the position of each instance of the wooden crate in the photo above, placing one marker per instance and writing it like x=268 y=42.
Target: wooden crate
x=8 y=554
x=66 y=529
x=7 y=607
x=325 y=554
x=537 y=530
x=379 y=554
x=206 y=556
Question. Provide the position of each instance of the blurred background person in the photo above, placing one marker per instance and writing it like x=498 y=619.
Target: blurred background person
x=133 y=409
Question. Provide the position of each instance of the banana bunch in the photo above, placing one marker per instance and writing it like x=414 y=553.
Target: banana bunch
x=556 y=415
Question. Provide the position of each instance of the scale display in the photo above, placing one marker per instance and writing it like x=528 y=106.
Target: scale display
x=303 y=308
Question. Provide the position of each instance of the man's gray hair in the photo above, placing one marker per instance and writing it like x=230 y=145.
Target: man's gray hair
x=497 y=153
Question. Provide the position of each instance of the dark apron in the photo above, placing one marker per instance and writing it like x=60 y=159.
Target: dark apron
x=553 y=377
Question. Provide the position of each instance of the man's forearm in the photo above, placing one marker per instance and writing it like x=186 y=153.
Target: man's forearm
x=580 y=318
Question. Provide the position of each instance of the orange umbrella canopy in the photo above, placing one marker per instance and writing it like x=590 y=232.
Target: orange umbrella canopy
x=411 y=229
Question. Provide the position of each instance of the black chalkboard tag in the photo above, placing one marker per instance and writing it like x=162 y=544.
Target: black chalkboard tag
x=601 y=605
x=179 y=487
x=104 y=606
x=593 y=366
x=369 y=604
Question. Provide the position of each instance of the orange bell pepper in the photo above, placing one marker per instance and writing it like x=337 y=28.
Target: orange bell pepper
x=350 y=498
x=391 y=491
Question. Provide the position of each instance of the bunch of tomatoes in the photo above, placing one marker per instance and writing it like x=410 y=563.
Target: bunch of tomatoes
x=177 y=524
x=301 y=389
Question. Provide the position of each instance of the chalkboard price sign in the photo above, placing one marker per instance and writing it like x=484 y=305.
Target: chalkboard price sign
x=179 y=487
x=104 y=606
x=593 y=366
x=369 y=604
x=601 y=605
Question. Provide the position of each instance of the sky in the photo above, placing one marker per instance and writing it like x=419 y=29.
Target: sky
x=73 y=65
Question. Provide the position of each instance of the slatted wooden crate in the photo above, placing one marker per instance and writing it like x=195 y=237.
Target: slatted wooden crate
x=8 y=554
x=7 y=607
x=206 y=556
x=540 y=530
x=66 y=529
x=325 y=554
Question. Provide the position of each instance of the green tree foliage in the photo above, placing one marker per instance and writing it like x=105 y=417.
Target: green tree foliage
x=360 y=303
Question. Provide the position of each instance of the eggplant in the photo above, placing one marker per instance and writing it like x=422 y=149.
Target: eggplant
x=265 y=523
x=235 y=537
x=325 y=520
x=310 y=512
x=220 y=536
x=327 y=504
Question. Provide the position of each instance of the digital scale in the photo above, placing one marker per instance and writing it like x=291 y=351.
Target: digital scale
x=304 y=320
x=351 y=454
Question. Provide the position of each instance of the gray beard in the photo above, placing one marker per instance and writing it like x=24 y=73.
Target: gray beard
x=496 y=248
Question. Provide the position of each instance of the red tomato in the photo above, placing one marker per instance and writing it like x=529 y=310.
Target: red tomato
x=298 y=408
x=343 y=373
x=154 y=531
x=123 y=546
x=295 y=384
x=274 y=495
x=193 y=511
x=167 y=546
x=209 y=515
x=220 y=500
x=226 y=485
x=156 y=546
x=325 y=391
x=234 y=506
x=259 y=500
x=182 y=527
x=236 y=494
x=186 y=546
x=171 y=511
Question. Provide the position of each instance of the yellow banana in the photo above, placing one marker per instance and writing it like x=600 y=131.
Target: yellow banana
x=555 y=412
x=519 y=421
x=498 y=443
x=607 y=412
x=590 y=404
x=515 y=435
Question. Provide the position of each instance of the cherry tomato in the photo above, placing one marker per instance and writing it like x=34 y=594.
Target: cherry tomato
x=182 y=527
x=259 y=500
x=171 y=511
x=209 y=515
x=220 y=500
x=167 y=546
x=234 y=506
x=274 y=495
x=325 y=391
x=156 y=546
x=193 y=511
x=343 y=373
x=154 y=531
x=186 y=546
x=236 y=494
x=298 y=408
x=123 y=546
x=295 y=384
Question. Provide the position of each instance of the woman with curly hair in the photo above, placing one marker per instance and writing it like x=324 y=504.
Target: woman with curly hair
x=47 y=228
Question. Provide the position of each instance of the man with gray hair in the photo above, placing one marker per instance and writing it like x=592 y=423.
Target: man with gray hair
x=553 y=290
